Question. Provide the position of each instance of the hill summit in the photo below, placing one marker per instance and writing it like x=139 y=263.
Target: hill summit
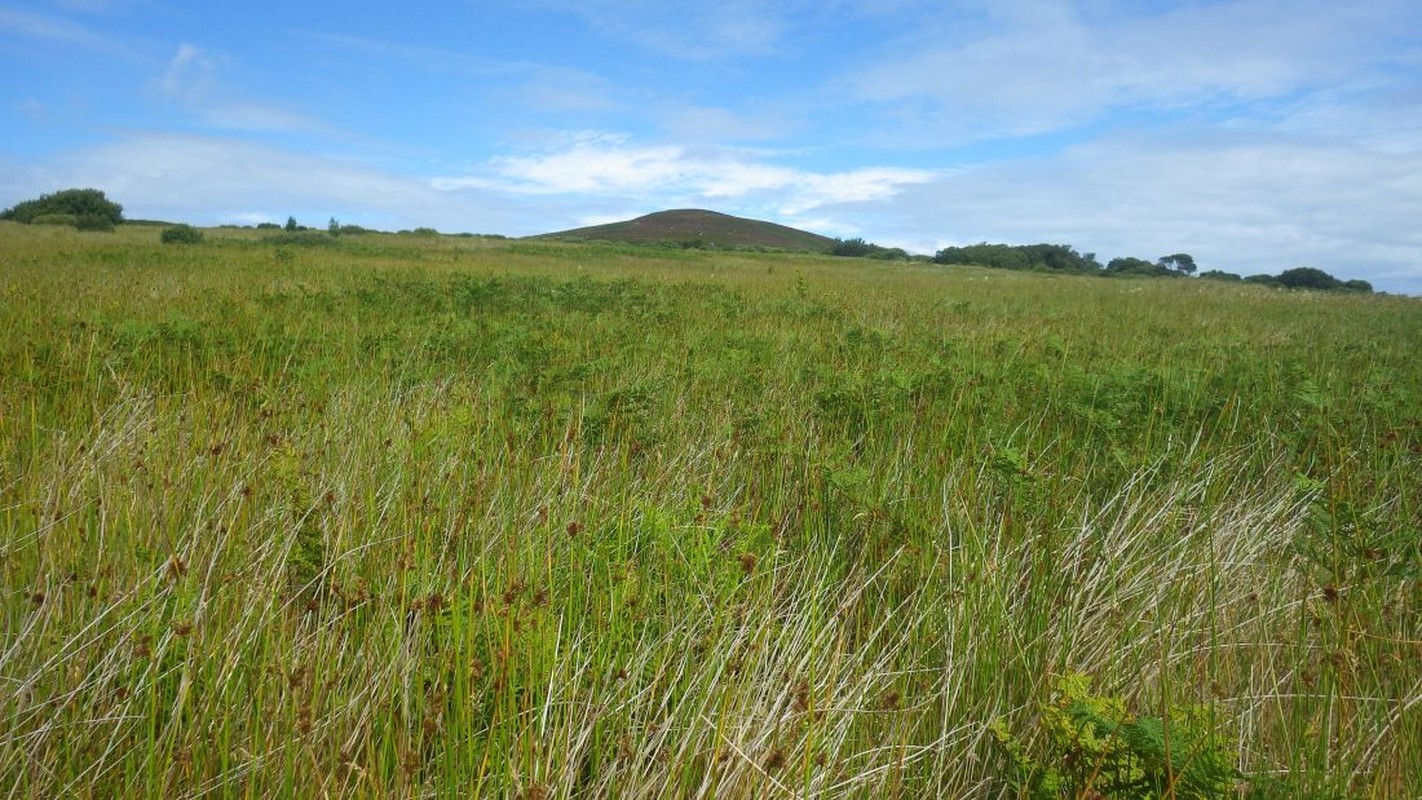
x=697 y=227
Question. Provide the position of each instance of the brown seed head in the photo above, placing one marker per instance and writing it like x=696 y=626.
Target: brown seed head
x=434 y=603
x=891 y=701
x=747 y=563
x=802 y=696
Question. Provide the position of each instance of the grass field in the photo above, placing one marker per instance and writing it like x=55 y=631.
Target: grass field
x=404 y=517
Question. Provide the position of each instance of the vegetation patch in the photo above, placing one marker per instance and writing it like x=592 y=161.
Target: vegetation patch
x=181 y=234
x=455 y=516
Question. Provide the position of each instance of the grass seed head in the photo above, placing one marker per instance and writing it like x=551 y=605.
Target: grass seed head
x=747 y=561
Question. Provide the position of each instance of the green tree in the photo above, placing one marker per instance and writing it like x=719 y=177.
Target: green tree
x=1126 y=265
x=852 y=248
x=1053 y=257
x=1308 y=278
x=291 y=226
x=80 y=203
x=1180 y=262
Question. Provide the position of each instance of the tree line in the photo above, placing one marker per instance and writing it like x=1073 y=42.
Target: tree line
x=1063 y=258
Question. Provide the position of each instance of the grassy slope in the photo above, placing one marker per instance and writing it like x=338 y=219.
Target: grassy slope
x=405 y=516
x=707 y=227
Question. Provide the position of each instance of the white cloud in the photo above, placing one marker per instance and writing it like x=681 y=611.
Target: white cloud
x=1033 y=67
x=871 y=185
x=190 y=74
x=595 y=163
x=610 y=165
x=1237 y=204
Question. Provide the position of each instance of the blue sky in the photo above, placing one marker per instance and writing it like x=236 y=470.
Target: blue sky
x=1256 y=135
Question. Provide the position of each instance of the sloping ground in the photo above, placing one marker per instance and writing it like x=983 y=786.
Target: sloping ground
x=710 y=228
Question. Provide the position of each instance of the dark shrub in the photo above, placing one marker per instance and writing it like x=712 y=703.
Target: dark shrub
x=93 y=222
x=181 y=234
x=76 y=202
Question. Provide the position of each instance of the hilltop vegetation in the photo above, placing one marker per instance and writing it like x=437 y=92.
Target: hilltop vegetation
x=425 y=515
x=85 y=209
x=696 y=229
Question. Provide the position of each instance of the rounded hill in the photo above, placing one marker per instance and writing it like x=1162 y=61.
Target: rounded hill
x=699 y=228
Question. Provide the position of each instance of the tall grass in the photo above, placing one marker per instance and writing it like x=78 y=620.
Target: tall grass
x=408 y=517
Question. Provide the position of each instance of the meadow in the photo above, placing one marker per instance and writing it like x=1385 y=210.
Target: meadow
x=461 y=517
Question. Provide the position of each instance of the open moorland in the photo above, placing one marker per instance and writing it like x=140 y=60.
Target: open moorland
x=458 y=517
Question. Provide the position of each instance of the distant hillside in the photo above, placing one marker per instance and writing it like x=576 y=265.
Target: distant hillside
x=707 y=228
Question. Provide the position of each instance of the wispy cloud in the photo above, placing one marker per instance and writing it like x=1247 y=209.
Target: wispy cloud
x=94 y=6
x=429 y=59
x=520 y=83
x=1032 y=67
x=191 y=80
x=686 y=29
x=190 y=74
x=56 y=30
x=689 y=122
x=211 y=180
